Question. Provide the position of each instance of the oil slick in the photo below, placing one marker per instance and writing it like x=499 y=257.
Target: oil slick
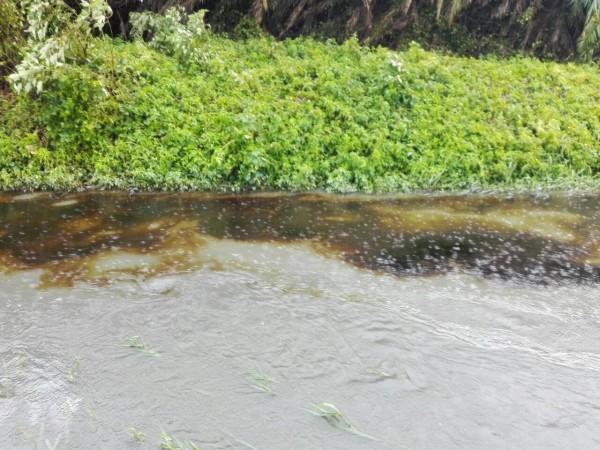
x=92 y=236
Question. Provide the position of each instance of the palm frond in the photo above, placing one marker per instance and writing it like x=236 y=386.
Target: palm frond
x=293 y=17
x=455 y=7
x=589 y=41
x=258 y=9
x=438 y=9
x=406 y=4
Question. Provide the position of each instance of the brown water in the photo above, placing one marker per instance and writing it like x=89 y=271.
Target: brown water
x=430 y=322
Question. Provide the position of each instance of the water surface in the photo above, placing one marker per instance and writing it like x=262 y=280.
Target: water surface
x=430 y=322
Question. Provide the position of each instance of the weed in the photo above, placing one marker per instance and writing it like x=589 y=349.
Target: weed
x=260 y=380
x=334 y=416
x=137 y=435
x=172 y=443
x=35 y=440
x=73 y=373
x=245 y=444
x=138 y=344
x=381 y=373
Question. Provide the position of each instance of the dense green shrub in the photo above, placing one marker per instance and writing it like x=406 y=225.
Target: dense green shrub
x=301 y=115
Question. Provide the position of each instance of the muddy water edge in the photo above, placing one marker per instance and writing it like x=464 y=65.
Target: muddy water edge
x=428 y=321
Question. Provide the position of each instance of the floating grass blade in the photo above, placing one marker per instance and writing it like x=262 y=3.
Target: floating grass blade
x=246 y=444
x=172 y=443
x=261 y=386
x=52 y=445
x=260 y=380
x=335 y=418
x=137 y=435
x=381 y=373
x=261 y=376
x=138 y=344
x=73 y=373
x=40 y=438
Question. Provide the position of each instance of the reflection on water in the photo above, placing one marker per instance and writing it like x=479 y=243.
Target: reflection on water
x=259 y=307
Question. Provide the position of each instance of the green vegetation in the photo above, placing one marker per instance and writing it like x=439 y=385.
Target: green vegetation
x=336 y=419
x=138 y=344
x=169 y=442
x=210 y=113
x=380 y=373
x=137 y=435
x=261 y=381
x=73 y=373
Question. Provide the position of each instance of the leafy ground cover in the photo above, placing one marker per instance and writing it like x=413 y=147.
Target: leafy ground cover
x=300 y=115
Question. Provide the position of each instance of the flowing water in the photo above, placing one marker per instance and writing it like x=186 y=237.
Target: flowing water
x=429 y=322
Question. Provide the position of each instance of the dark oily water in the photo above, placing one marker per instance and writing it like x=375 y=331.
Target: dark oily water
x=539 y=240
x=224 y=320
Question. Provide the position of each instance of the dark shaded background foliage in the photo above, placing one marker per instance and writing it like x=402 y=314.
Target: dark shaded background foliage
x=548 y=28
x=545 y=28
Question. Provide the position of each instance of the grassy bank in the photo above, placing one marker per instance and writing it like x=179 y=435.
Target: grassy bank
x=302 y=115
